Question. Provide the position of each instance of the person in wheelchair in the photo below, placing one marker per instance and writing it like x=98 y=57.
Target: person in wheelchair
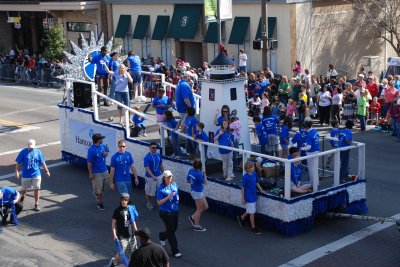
x=9 y=198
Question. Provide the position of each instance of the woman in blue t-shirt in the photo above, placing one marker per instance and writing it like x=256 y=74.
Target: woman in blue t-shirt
x=197 y=179
x=167 y=201
x=224 y=137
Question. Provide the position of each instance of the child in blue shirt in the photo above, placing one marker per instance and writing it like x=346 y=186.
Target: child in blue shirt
x=249 y=196
x=261 y=134
x=139 y=122
x=345 y=139
x=171 y=122
x=296 y=172
x=190 y=129
x=224 y=137
x=334 y=134
x=284 y=136
x=197 y=180
x=299 y=139
x=201 y=136
x=161 y=103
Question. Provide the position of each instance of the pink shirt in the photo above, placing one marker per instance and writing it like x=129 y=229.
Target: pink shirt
x=391 y=94
x=290 y=110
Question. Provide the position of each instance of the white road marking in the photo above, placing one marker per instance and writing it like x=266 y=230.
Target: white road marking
x=38 y=146
x=61 y=163
x=339 y=244
x=37 y=90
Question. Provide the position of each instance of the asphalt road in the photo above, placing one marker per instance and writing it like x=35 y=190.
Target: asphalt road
x=70 y=231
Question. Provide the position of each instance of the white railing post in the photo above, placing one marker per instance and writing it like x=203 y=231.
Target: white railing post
x=361 y=161
x=197 y=105
x=202 y=155
x=336 y=168
x=315 y=172
x=162 y=134
x=94 y=100
x=127 y=128
x=287 y=180
x=68 y=90
x=163 y=82
x=244 y=159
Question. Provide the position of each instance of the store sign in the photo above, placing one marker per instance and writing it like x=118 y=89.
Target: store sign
x=14 y=20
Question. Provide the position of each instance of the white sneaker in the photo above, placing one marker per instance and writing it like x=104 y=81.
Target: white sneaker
x=228 y=179
x=111 y=263
x=178 y=255
x=162 y=242
x=145 y=134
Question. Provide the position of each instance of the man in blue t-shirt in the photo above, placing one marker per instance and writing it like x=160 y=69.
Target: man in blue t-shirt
x=312 y=148
x=184 y=97
x=9 y=197
x=120 y=167
x=154 y=168
x=30 y=159
x=134 y=65
x=101 y=72
x=345 y=140
x=96 y=162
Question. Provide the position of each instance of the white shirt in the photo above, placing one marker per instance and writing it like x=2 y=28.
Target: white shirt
x=242 y=59
x=324 y=99
x=12 y=53
x=337 y=99
x=331 y=73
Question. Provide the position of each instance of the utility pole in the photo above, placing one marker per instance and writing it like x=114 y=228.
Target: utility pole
x=219 y=23
x=264 y=33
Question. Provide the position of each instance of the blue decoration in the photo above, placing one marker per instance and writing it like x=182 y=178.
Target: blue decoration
x=121 y=252
x=133 y=212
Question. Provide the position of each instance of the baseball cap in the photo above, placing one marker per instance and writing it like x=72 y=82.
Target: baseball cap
x=143 y=233
x=31 y=143
x=113 y=54
x=125 y=195
x=361 y=75
x=167 y=173
x=97 y=136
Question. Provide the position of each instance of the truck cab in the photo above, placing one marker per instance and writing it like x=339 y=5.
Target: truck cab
x=393 y=67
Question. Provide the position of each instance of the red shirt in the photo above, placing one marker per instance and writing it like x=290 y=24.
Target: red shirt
x=375 y=107
x=373 y=89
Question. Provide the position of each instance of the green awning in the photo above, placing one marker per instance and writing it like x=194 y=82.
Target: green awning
x=239 y=30
x=185 y=21
x=161 y=27
x=142 y=24
x=123 y=26
x=212 y=32
x=271 y=28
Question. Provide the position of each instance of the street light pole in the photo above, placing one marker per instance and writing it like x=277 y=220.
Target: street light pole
x=219 y=23
x=264 y=34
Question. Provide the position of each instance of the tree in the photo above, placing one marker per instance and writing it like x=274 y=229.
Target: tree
x=383 y=18
x=55 y=41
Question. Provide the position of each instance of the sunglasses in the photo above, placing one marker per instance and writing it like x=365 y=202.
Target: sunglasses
x=225 y=111
x=153 y=147
x=121 y=146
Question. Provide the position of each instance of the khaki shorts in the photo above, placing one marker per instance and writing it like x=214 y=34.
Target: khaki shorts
x=128 y=245
x=27 y=183
x=251 y=208
x=99 y=181
x=273 y=143
x=150 y=187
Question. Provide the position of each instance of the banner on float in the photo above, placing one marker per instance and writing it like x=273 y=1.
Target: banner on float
x=81 y=138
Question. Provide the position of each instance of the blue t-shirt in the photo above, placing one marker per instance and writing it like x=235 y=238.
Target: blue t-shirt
x=9 y=195
x=201 y=135
x=249 y=184
x=225 y=139
x=271 y=124
x=139 y=121
x=134 y=62
x=190 y=123
x=183 y=91
x=122 y=164
x=296 y=171
x=284 y=135
x=196 y=178
x=114 y=66
x=299 y=138
x=100 y=68
x=165 y=101
x=172 y=124
x=312 y=139
x=95 y=156
x=221 y=118
x=334 y=133
x=262 y=134
x=397 y=84
x=260 y=89
x=163 y=191
x=153 y=161
x=343 y=135
x=30 y=161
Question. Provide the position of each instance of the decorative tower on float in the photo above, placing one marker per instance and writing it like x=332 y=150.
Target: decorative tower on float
x=224 y=88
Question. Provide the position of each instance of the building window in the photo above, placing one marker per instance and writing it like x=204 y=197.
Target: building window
x=211 y=95
x=233 y=94
x=79 y=26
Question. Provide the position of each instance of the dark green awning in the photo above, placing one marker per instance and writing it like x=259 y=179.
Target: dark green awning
x=142 y=24
x=271 y=28
x=212 y=32
x=161 y=27
x=239 y=30
x=123 y=26
x=185 y=21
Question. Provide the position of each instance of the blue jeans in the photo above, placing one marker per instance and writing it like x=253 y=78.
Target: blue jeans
x=362 y=122
x=125 y=187
x=122 y=97
x=112 y=89
x=395 y=129
x=176 y=145
x=344 y=163
x=398 y=130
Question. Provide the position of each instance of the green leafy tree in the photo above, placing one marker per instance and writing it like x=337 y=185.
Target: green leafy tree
x=55 y=42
